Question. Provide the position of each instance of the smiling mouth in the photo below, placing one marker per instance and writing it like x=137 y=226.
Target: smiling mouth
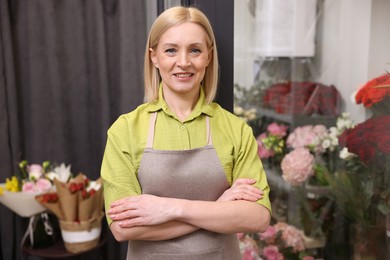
x=183 y=75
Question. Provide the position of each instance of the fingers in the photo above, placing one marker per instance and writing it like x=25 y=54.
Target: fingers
x=140 y=210
x=242 y=181
x=242 y=189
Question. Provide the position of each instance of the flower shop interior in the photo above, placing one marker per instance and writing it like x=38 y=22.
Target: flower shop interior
x=311 y=77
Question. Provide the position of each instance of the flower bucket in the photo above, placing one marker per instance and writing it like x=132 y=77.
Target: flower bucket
x=81 y=236
x=22 y=203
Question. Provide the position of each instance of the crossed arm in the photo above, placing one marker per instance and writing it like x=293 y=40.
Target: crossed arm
x=148 y=217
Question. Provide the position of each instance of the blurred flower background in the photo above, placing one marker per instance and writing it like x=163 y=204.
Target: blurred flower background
x=337 y=172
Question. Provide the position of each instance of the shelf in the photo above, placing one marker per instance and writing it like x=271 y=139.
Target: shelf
x=298 y=120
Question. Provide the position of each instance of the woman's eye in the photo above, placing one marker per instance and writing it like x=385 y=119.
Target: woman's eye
x=170 y=51
x=195 y=50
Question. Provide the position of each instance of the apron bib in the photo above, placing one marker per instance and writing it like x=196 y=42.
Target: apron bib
x=194 y=174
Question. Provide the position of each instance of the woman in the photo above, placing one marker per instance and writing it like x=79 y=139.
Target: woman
x=181 y=174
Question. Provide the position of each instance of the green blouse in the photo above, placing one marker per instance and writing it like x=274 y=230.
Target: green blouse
x=232 y=138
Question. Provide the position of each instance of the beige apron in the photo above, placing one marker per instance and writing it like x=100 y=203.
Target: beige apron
x=194 y=174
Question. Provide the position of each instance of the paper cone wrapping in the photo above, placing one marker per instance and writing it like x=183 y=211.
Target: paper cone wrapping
x=71 y=205
x=55 y=207
x=67 y=201
x=98 y=202
x=86 y=207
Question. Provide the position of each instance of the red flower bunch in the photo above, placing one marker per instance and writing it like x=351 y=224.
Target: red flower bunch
x=374 y=91
x=369 y=140
x=79 y=199
x=82 y=188
x=302 y=98
x=49 y=197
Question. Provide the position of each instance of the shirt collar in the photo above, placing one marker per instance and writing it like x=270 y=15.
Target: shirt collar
x=201 y=106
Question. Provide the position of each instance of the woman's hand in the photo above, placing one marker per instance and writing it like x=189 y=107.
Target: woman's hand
x=141 y=210
x=242 y=189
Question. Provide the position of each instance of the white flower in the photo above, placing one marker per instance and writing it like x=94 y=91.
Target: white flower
x=333 y=132
x=62 y=173
x=93 y=185
x=345 y=155
x=238 y=110
x=326 y=144
x=344 y=122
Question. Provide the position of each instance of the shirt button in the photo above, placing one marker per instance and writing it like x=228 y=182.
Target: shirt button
x=183 y=127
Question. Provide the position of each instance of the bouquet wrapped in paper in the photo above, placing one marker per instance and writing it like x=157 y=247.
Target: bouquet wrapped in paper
x=78 y=204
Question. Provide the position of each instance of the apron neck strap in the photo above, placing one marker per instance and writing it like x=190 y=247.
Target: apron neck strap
x=209 y=140
x=152 y=124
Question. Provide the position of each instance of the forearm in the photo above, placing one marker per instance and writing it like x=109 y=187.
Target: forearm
x=163 y=231
x=230 y=214
x=224 y=217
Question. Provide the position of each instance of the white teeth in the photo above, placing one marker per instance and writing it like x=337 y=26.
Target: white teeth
x=183 y=75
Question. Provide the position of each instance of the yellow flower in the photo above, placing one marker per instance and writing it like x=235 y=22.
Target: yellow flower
x=12 y=184
x=1 y=191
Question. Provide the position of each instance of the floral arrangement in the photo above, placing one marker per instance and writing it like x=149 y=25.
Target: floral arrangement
x=19 y=191
x=32 y=178
x=314 y=150
x=375 y=93
x=272 y=142
x=366 y=153
x=78 y=205
x=78 y=199
x=369 y=140
x=297 y=166
x=305 y=143
x=302 y=98
x=246 y=115
x=308 y=136
x=279 y=241
x=362 y=187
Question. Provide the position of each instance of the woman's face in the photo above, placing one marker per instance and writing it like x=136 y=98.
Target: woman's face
x=182 y=56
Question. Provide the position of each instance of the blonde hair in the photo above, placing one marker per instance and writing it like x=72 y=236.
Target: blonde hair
x=166 y=20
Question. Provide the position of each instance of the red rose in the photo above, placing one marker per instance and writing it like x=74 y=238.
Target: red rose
x=384 y=144
x=73 y=187
x=80 y=186
x=49 y=198
x=367 y=152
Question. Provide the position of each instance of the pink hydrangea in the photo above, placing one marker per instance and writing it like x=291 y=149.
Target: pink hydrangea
x=276 y=129
x=269 y=235
x=272 y=253
x=297 y=166
x=249 y=254
x=248 y=247
x=292 y=236
x=308 y=136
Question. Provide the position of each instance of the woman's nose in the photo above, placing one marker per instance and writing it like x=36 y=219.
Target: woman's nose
x=183 y=60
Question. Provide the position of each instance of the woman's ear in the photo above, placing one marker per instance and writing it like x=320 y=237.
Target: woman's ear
x=153 y=57
x=210 y=56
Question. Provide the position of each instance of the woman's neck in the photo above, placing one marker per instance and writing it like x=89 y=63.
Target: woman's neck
x=181 y=106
